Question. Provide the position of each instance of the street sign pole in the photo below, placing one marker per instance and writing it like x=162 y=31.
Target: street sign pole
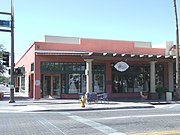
x=5 y=23
x=12 y=55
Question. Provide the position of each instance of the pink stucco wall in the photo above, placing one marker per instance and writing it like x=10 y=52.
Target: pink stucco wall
x=25 y=61
x=94 y=45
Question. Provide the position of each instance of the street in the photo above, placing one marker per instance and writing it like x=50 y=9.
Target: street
x=160 y=121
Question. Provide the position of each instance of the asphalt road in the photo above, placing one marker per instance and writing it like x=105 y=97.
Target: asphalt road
x=152 y=121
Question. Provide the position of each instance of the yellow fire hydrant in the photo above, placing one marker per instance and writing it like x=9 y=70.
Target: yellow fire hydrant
x=83 y=101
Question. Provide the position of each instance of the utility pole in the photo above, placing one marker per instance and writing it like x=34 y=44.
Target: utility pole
x=177 y=53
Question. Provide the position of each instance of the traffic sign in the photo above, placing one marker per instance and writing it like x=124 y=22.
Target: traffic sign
x=5 y=23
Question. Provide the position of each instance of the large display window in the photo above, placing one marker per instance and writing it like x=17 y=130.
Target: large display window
x=136 y=78
x=74 y=83
x=83 y=83
x=73 y=78
x=99 y=84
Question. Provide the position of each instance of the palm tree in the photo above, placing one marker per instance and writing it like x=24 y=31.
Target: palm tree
x=177 y=53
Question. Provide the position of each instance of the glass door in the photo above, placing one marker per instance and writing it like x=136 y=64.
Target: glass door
x=47 y=86
x=52 y=86
x=56 y=82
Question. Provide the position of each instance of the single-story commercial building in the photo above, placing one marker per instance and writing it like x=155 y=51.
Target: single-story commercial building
x=62 y=67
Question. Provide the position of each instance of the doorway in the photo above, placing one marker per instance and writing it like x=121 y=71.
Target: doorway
x=52 y=86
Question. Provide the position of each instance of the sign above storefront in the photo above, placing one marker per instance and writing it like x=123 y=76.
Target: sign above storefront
x=121 y=66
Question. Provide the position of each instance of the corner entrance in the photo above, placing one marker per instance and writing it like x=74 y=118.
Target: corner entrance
x=52 y=86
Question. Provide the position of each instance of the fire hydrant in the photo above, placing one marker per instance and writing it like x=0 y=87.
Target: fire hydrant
x=83 y=100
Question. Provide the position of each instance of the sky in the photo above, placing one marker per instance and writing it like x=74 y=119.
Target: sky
x=131 y=20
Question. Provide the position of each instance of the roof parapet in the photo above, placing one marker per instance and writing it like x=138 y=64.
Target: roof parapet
x=143 y=44
x=61 y=39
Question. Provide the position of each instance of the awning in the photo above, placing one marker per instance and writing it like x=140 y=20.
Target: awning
x=103 y=54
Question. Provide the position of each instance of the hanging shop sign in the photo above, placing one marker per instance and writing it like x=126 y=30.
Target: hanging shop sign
x=121 y=66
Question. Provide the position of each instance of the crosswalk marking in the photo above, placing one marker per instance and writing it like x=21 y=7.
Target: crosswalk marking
x=140 y=116
x=98 y=126
x=168 y=106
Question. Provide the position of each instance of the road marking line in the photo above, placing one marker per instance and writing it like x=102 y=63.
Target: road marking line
x=100 y=127
x=52 y=128
x=159 y=133
x=142 y=116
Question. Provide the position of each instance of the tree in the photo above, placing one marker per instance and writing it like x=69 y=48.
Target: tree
x=177 y=53
x=2 y=50
x=2 y=78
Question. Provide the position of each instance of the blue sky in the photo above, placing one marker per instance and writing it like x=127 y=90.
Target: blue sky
x=134 y=20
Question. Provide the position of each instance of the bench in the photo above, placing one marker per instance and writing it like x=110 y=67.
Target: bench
x=92 y=97
x=103 y=97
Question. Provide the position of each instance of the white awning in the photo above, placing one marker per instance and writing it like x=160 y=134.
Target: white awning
x=104 y=54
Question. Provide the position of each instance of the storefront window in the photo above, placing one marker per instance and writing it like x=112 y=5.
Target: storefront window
x=56 y=85
x=56 y=66
x=22 y=84
x=50 y=66
x=32 y=66
x=63 y=84
x=99 y=83
x=68 y=66
x=136 y=78
x=61 y=67
x=83 y=83
x=78 y=66
x=98 y=67
x=159 y=75
x=73 y=79
x=74 y=83
x=130 y=83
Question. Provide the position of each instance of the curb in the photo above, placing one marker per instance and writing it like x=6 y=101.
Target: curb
x=92 y=109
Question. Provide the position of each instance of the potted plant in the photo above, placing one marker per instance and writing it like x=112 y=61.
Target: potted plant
x=161 y=91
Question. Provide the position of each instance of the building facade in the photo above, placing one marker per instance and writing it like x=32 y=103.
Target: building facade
x=62 y=67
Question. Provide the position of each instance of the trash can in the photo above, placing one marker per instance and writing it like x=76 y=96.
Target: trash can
x=168 y=96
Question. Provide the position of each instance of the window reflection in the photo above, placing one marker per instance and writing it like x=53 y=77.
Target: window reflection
x=56 y=85
x=136 y=78
x=83 y=83
x=73 y=79
x=22 y=84
x=99 y=83
x=74 y=83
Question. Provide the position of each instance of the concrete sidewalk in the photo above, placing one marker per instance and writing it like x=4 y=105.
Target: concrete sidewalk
x=24 y=104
